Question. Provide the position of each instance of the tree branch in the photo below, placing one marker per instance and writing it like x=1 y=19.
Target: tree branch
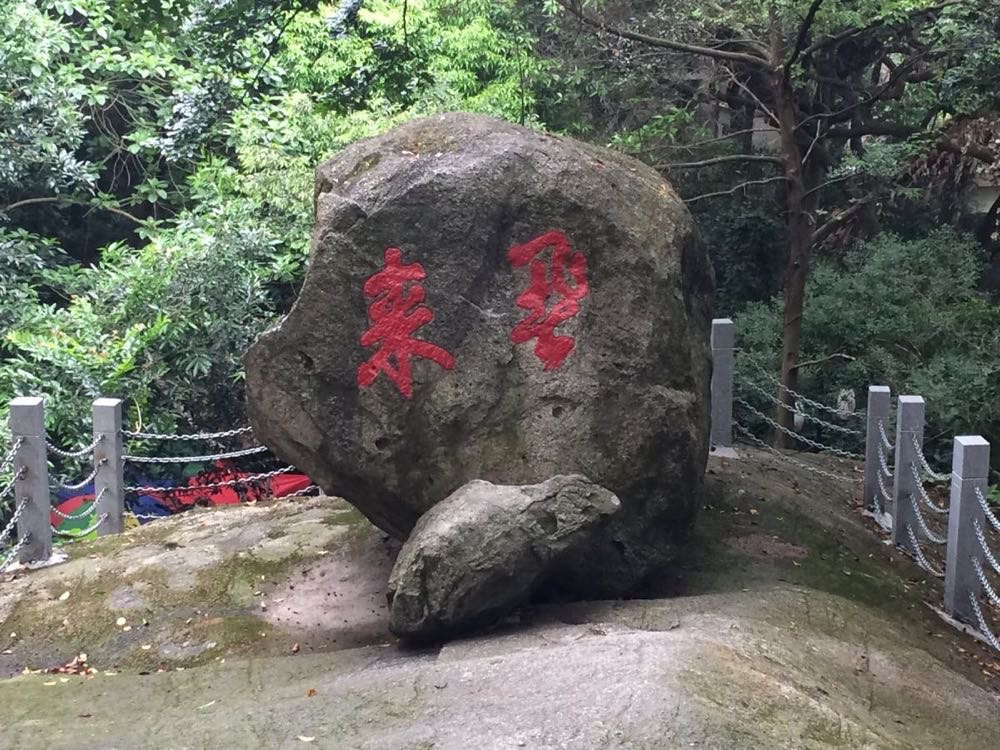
x=73 y=201
x=800 y=40
x=721 y=160
x=732 y=190
x=716 y=54
x=855 y=30
x=825 y=229
x=821 y=360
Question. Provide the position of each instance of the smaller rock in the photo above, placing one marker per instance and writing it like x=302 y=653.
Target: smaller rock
x=485 y=548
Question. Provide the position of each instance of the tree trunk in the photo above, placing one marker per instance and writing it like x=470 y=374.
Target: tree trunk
x=800 y=233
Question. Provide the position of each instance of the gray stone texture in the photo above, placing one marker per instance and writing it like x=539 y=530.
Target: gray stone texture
x=628 y=407
x=485 y=549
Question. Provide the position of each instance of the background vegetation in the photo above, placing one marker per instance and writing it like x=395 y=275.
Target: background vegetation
x=156 y=163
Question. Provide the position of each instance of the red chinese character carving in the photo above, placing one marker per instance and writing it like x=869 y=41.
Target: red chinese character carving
x=395 y=314
x=551 y=349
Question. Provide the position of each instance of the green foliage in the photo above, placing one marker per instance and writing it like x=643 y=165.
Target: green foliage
x=909 y=315
x=205 y=121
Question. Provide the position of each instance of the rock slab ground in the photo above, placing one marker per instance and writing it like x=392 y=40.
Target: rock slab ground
x=790 y=625
x=485 y=301
x=485 y=549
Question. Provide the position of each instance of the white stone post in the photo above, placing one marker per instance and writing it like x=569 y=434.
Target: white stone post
x=970 y=469
x=27 y=424
x=723 y=351
x=879 y=405
x=109 y=483
x=909 y=436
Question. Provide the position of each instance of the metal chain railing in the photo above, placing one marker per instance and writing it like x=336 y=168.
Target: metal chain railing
x=791 y=433
x=9 y=487
x=74 y=454
x=985 y=546
x=886 y=495
x=194 y=436
x=922 y=523
x=82 y=533
x=195 y=459
x=216 y=485
x=983 y=628
x=81 y=513
x=12 y=523
x=804 y=399
x=85 y=481
x=885 y=438
x=12 y=554
x=931 y=505
x=11 y=455
x=884 y=462
x=985 y=507
x=990 y=592
x=918 y=553
x=926 y=466
x=801 y=464
x=808 y=417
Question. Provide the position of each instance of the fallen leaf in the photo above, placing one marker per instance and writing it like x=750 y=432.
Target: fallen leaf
x=310 y=692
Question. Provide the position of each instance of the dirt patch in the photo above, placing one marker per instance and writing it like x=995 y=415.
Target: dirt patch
x=762 y=545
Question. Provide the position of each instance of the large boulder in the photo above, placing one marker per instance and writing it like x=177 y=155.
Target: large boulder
x=490 y=302
x=485 y=549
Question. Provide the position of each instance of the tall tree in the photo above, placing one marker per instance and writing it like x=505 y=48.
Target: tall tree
x=829 y=78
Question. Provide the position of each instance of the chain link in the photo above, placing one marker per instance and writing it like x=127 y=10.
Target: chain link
x=984 y=629
x=770 y=449
x=885 y=438
x=799 y=396
x=80 y=534
x=809 y=417
x=881 y=486
x=229 y=483
x=994 y=521
x=74 y=454
x=931 y=505
x=981 y=536
x=990 y=592
x=791 y=433
x=922 y=523
x=885 y=464
x=195 y=459
x=193 y=436
x=12 y=554
x=12 y=523
x=84 y=482
x=923 y=462
x=918 y=553
x=9 y=458
x=81 y=513
x=10 y=485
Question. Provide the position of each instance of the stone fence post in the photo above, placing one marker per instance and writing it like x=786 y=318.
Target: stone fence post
x=723 y=351
x=970 y=469
x=879 y=405
x=909 y=438
x=27 y=424
x=108 y=458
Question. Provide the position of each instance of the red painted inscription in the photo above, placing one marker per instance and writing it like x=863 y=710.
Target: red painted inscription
x=395 y=313
x=539 y=323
